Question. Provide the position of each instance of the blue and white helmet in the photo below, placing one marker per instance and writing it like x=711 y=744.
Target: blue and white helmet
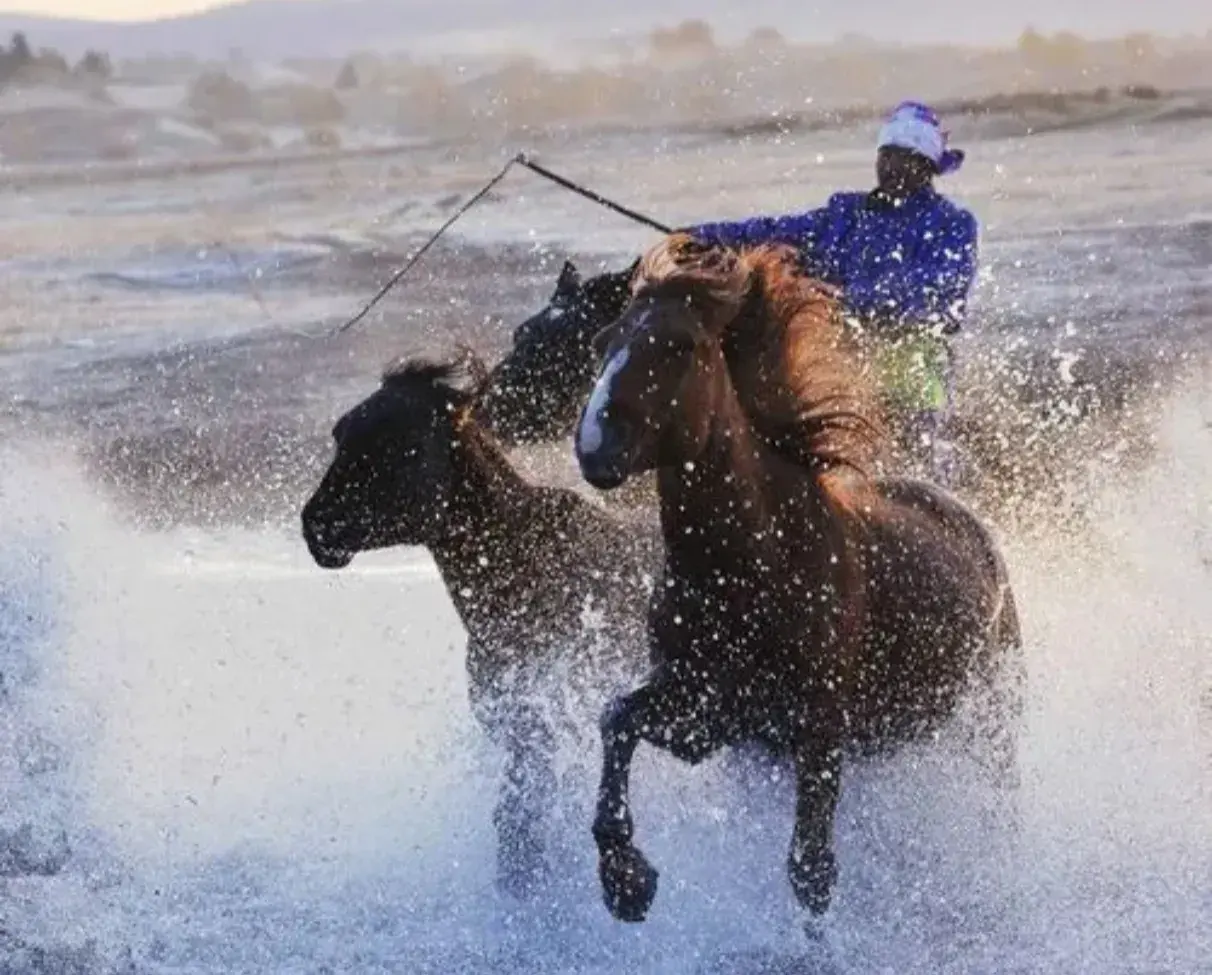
x=916 y=127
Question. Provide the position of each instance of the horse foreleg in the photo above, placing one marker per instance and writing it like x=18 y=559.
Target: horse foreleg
x=517 y=727
x=628 y=880
x=811 y=864
x=529 y=783
x=671 y=719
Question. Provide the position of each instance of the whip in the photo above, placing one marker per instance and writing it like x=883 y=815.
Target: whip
x=521 y=159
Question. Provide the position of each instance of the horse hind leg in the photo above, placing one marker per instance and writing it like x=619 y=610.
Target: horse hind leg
x=1001 y=697
x=669 y=717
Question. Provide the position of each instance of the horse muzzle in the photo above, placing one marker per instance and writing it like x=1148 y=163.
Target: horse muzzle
x=605 y=473
x=605 y=453
x=606 y=436
x=330 y=558
x=323 y=549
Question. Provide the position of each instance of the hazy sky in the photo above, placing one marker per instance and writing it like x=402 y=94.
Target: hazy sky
x=106 y=9
x=997 y=20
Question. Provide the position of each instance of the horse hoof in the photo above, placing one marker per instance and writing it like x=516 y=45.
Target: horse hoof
x=522 y=873
x=629 y=883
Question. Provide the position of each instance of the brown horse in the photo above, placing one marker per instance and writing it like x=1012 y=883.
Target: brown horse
x=802 y=602
x=522 y=564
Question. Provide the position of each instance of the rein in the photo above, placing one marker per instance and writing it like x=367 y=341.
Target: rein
x=521 y=159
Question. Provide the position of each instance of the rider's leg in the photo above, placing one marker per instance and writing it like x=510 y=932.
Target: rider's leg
x=944 y=463
x=924 y=434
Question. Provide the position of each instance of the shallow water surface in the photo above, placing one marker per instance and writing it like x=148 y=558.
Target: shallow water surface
x=265 y=768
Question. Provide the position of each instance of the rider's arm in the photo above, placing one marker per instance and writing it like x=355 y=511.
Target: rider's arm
x=932 y=288
x=798 y=230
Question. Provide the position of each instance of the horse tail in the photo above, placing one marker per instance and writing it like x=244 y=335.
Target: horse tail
x=1002 y=683
x=1002 y=656
x=1000 y=669
x=1004 y=630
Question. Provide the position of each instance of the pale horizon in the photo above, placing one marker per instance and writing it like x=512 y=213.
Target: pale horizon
x=113 y=10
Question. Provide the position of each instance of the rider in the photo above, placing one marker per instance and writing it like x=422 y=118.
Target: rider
x=904 y=257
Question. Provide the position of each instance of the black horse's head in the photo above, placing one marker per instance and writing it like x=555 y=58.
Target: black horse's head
x=534 y=394
x=391 y=480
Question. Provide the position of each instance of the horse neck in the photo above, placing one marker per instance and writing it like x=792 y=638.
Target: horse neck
x=739 y=496
x=488 y=504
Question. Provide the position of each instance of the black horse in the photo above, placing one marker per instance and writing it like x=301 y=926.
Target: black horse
x=536 y=392
x=525 y=566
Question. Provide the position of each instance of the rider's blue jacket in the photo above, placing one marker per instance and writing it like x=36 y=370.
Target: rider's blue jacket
x=912 y=263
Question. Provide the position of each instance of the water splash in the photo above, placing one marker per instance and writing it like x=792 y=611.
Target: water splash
x=269 y=768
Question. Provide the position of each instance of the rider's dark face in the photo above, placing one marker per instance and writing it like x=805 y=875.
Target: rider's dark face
x=900 y=172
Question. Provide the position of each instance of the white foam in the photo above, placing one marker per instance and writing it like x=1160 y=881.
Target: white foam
x=275 y=771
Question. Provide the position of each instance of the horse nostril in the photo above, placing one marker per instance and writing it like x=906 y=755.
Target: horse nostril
x=604 y=470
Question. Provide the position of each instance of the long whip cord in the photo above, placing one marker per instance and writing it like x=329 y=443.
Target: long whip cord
x=521 y=159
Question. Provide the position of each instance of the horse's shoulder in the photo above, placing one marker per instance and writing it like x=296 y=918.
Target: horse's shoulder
x=563 y=512
x=616 y=539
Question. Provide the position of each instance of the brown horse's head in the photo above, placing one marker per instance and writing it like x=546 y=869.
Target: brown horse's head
x=391 y=480
x=702 y=318
x=653 y=400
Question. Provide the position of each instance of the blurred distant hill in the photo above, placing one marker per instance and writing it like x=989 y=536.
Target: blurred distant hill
x=179 y=88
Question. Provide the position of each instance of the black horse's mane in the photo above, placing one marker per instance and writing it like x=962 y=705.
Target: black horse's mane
x=459 y=376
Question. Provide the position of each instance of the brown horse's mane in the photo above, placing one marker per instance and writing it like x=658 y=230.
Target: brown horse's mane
x=798 y=372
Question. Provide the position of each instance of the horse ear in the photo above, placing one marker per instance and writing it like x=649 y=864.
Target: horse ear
x=570 y=280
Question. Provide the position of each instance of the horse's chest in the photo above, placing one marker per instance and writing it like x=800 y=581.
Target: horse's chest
x=735 y=625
